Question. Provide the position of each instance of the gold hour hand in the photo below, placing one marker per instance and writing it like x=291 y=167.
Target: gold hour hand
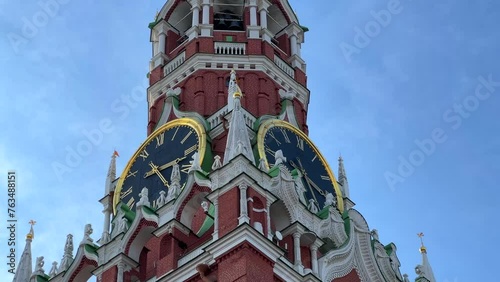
x=154 y=169
x=162 y=167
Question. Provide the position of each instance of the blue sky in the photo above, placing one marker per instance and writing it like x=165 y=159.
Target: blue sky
x=421 y=146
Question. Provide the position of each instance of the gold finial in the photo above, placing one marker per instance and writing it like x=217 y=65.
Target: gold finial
x=31 y=234
x=423 y=249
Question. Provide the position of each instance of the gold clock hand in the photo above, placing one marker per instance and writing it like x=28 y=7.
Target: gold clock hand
x=155 y=170
x=314 y=185
x=165 y=166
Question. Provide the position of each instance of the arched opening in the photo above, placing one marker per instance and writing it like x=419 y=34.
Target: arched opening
x=182 y=17
x=228 y=15
x=280 y=218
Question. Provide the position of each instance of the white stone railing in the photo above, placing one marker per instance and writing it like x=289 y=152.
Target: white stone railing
x=284 y=66
x=175 y=63
x=218 y=118
x=230 y=48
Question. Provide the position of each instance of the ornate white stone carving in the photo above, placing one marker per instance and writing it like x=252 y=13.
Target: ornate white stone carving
x=144 y=199
x=68 y=254
x=217 y=163
x=86 y=235
x=53 y=270
x=39 y=266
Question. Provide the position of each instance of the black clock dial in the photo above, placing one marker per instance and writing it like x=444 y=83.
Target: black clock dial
x=302 y=156
x=151 y=166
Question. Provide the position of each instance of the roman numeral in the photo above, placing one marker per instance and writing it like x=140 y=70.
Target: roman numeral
x=130 y=173
x=300 y=143
x=125 y=193
x=285 y=135
x=185 y=168
x=325 y=178
x=315 y=157
x=131 y=203
x=268 y=150
x=274 y=137
x=144 y=154
x=175 y=133
x=190 y=149
x=159 y=139
x=186 y=137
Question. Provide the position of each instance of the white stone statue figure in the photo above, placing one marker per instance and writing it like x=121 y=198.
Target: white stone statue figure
x=279 y=158
x=330 y=200
x=262 y=165
x=374 y=233
x=195 y=163
x=217 y=163
x=39 y=266
x=123 y=225
x=405 y=279
x=144 y=198
x=53 y=270
x=300 y=189
x=312 y=206
x=86 y=235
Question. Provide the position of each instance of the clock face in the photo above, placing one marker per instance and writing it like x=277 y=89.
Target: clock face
x=174 y=143
x=301 y=155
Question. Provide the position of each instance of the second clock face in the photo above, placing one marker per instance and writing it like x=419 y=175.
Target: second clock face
x=151 y=166
x=301 y=155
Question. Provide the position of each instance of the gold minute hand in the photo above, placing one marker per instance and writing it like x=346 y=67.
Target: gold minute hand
x=162 y=167
x=154 y=168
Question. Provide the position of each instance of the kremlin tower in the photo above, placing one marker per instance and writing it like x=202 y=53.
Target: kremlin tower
x=227 y=186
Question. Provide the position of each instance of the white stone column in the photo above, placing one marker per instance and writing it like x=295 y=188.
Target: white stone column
x=314 y=258
x=269 y=231
x=162 y=37
x=243 y=204
x=216 y=219
x=263 y=18
x=196 y=15
x=206 y=12
x=253 y=12
x=121 y=269
x=266 y=34
x=293 y=44
x=105 y=231
x=296 y=251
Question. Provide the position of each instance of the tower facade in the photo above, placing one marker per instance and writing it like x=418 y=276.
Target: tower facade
x=228 y=186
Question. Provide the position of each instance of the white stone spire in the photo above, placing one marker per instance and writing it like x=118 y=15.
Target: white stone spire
x=343 y=178
x=24 y=269
x=238 y=141
x=68 y=254
x=106 y=201
x=424 y=270
x=111 y=172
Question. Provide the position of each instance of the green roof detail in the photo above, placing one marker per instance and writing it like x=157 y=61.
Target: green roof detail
x=208 y=222
x=91 y=249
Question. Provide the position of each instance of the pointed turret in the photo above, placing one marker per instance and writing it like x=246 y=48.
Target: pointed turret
x=106 y=201
x=238 y=141
x=424 y=270
x=24 y=270
x=343 y=178
x=68 y=254
x=111 y=172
